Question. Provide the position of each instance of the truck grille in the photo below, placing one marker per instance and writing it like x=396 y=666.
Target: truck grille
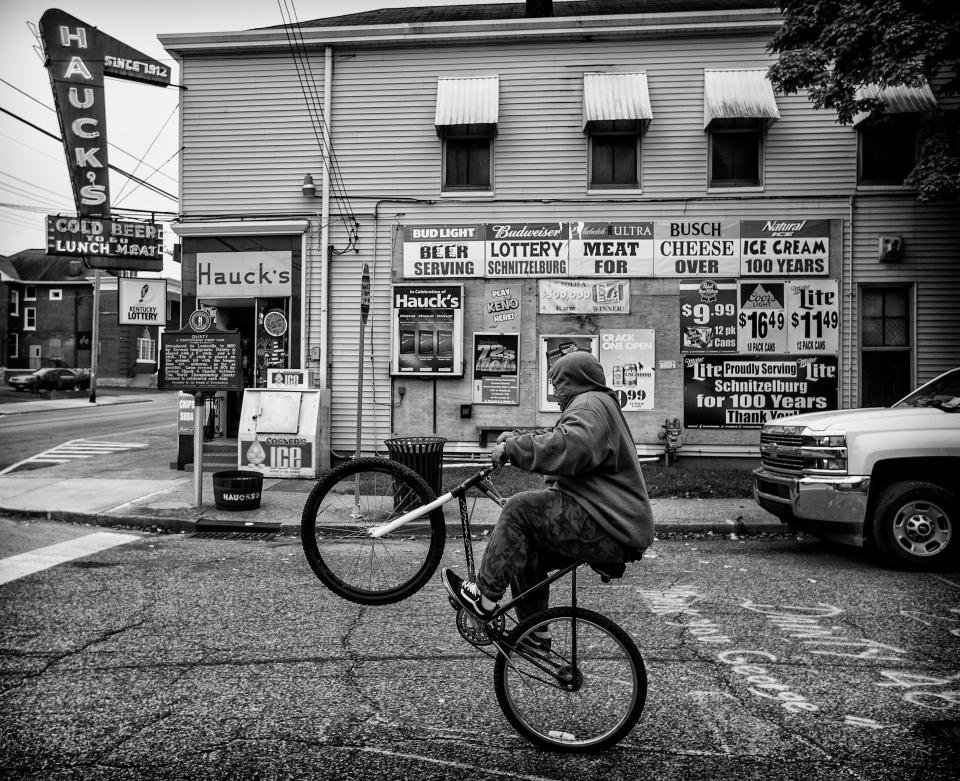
x=780 y=449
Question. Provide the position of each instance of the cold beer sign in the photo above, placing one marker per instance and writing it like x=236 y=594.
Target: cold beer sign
x=78 y=57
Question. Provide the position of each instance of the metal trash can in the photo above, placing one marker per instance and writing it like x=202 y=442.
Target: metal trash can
x=424 y=455
x=237 y=489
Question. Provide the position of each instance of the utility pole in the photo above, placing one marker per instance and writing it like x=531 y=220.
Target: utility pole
x=95 y=339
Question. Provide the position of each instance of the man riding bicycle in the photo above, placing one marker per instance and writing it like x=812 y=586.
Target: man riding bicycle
x=594 y=507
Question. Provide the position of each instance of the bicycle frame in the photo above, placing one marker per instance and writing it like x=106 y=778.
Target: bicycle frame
x=480 y=481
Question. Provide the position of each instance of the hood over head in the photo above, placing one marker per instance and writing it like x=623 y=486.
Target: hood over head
x=577 y=373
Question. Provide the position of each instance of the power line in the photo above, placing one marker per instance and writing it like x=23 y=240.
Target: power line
x=112 y=167
x=109 y=143
x=301 y=57
x=140 y=161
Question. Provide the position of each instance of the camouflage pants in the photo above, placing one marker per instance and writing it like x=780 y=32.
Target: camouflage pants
x=539 y=531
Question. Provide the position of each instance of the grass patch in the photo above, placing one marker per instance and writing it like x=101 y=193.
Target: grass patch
x=671 y=482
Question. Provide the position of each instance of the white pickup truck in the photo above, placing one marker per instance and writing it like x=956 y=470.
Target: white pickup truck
x=887 y=477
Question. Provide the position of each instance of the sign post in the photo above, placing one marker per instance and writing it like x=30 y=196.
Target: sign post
x=200 y=360
x=364 y=313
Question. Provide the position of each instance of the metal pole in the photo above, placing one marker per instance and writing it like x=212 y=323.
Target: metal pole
x=95 y=346
x=364 y=312
x=198 y=408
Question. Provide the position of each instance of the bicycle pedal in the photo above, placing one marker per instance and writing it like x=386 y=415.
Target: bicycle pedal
x=453 y=603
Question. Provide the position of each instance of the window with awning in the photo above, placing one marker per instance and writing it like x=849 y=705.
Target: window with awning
x=616 y=111
x=738 y=105
x=889 y=144
x=466 y=121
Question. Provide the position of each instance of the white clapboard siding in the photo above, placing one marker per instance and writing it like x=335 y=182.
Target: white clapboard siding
x=931 y=263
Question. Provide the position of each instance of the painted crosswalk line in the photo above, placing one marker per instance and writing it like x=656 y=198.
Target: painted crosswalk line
x=74 y=450
x=23 y=564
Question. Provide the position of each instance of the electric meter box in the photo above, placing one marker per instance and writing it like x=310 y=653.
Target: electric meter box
x=284 y=433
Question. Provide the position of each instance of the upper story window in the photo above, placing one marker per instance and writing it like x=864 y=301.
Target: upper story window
x=888 y=149
x=14 y=302
x=29 y=318
x=56 y=294
x=616 y=111
x=889 y=145
x=466 y=122
x=30 y=293
x=738 y=105
x=736 y=152
x=614 y=154
x=467 y=157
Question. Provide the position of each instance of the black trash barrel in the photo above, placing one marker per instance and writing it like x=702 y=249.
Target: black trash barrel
x=424 y=455
x=237 y=489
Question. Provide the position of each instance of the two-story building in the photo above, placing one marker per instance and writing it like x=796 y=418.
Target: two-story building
x=46 y=319
x=476 y=189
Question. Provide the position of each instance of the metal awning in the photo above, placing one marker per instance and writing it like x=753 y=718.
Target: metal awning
x=616 y=96
x=899 y=99
x=468 y=101
x=738 y=94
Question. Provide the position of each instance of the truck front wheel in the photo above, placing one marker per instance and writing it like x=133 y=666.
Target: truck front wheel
x=915 y=525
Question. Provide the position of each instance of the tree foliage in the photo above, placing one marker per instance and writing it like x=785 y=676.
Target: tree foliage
x=831 y=48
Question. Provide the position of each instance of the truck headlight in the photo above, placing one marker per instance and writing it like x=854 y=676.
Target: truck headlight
x=824 y=452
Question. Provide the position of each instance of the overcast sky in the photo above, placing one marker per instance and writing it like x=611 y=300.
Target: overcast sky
x=142 y=120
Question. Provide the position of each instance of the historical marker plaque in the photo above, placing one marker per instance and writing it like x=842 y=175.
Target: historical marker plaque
x=196 y=362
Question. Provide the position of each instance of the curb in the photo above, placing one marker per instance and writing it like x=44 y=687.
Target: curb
x=188 y=525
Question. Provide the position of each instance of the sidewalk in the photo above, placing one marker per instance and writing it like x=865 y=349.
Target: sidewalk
x=140 y=489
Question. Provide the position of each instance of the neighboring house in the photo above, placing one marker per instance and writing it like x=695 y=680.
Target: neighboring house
x=614 y=176
x=46 y=319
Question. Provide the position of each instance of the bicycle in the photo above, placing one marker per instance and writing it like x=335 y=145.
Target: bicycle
x=582 y=690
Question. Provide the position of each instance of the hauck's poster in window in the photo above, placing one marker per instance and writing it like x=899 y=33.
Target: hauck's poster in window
x=427 y=330
x=627 y=358
x=496 y=362
x=552 y=348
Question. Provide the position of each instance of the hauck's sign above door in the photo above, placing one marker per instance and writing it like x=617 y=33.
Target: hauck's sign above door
x=680 y=248
x=244 y=274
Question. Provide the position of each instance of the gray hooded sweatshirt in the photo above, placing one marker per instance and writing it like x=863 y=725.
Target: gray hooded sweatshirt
x=590 y=452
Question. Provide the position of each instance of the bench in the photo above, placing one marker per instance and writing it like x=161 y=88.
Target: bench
x=486 y=431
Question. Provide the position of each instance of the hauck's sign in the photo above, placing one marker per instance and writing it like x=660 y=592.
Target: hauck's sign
x=78 y=57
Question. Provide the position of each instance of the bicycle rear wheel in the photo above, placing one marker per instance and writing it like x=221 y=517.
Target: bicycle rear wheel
x=340 y=511
x=583 y=692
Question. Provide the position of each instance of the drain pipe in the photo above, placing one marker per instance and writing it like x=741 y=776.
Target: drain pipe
x=325 y=216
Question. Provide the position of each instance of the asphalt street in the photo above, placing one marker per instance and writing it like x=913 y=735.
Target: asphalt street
x=173 y=657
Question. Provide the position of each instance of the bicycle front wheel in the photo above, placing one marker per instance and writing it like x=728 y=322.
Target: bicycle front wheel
x=583 y=691
x=344 y=505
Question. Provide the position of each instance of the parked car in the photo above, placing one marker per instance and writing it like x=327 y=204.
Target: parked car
x=886 y=477
x=50 y=379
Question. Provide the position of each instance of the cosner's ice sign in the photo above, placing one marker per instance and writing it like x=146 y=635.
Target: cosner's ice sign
x=78 y=57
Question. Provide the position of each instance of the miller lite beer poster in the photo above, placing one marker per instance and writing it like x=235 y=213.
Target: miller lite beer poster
x=627 y=358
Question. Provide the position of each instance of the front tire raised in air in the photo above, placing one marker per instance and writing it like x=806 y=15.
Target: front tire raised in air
x=344 y=505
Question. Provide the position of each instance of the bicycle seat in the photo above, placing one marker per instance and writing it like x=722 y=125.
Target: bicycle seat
x=608 y=572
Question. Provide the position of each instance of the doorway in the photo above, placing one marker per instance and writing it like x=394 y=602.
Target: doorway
x=240 y=317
